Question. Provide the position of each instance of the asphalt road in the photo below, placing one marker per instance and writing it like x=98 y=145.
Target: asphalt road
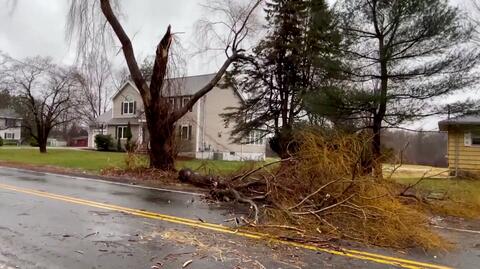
x=52 y=221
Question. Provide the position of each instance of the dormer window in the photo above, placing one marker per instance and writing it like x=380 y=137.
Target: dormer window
x=128 y=107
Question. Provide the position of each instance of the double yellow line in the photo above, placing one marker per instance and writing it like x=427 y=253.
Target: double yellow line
x=355 y=254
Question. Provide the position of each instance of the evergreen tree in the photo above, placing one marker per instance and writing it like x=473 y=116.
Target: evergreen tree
x=296 y=57
x=403 y=55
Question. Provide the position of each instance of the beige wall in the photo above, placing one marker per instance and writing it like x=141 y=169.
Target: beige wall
x=135 y=132
x=206 y=112
x=217 y=134
x=127 y=93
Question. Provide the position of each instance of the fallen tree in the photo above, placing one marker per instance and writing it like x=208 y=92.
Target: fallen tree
x=321 y=191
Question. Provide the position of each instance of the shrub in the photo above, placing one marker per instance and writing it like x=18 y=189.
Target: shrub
x=1 y=141
x=10 y=142
x=103 y=142
x=33 y=142
x=129 y=145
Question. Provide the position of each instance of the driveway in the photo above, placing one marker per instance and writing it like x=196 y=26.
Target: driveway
x=54 y=221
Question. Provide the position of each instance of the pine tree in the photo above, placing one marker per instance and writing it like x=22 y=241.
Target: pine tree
x=296 y=57
x=403 y=56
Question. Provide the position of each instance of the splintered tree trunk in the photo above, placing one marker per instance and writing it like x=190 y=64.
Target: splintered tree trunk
x=162 y=142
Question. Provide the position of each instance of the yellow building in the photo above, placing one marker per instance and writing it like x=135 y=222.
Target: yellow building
x=463 y=144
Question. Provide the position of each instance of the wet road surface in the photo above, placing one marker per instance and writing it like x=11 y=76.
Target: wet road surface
x=51 y=231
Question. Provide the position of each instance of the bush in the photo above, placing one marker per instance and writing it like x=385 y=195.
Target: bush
x=1 y=141
x=10 y=143
x=33 y=142
x=103 y=142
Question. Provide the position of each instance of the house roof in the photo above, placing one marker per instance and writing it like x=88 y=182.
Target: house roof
x=461 y=120
x=105 y=117
x=9 y=114
x=123 y=121
x=181 y=86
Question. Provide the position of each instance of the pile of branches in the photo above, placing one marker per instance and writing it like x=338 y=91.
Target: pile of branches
x=322 y=190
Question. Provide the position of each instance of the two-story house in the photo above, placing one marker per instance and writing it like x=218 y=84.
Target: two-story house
x=202 y=132
x=10 y=125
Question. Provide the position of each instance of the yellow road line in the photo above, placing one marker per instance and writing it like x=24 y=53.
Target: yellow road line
x=356 y=254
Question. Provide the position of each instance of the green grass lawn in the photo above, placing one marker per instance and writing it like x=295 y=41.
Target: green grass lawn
x=94 y=161
x=462 y=196
x=79 y=159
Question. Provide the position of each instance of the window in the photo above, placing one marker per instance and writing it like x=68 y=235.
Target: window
x=121 y=132
x=10 y=123
x=255 y=138
x=186 y=132
x=475 y=136
x=185 y=101
x=128 y=107
x=9 y=135
x=172 y=102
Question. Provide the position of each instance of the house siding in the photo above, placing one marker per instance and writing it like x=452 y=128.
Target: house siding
x=127 y=93
x=218 y=136
x=15 y=130
x=462 y=157
x=209 y=135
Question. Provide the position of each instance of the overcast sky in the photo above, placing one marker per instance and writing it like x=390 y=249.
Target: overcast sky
x=37 y=27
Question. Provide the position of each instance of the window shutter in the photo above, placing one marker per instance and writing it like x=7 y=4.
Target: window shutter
x=134 y=107
x=121 y=109
x=116 y=132
x=189 y=132
x=467 y=139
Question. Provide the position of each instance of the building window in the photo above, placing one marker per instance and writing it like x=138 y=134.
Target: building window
x=172 y=102
x=10 y=123
x=128 y=107
x=255 y=138
x=9 y=135
x=121 y=132
x=185 y=101
x=186 y=132
x=475 y=136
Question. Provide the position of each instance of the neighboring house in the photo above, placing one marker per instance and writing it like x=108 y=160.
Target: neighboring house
x=79 y=141
x=463 y=143
x=10 y=126
x=201 y=133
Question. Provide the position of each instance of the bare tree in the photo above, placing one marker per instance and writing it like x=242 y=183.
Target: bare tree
x=159 y=113
x=97 y=84
x=46 y=92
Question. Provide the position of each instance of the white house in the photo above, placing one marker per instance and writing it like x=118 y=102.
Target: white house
x=202 y=132
x=10 y=125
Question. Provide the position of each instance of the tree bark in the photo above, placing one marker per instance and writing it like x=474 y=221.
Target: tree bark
x=42 y=142
x=376 y=147
x=42 y=146
x=159 y=115
x=162 y=141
